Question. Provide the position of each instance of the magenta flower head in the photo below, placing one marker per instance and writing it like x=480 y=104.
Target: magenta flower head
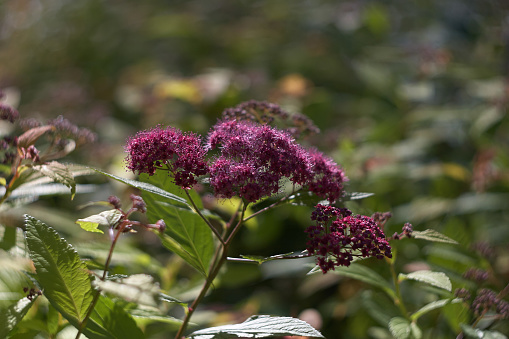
x=253 y=159
x=170 y=149
x=338 y=236
x=326 y=177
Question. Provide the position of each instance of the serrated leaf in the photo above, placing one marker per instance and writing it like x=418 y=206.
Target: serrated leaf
x=187 y=235
x=437 y=279
x=146 y=187
x=110 y=320
x=105 y=219
x=137 y=288
x=12 y=315
x=471 y=332
x=432 y=306
x=66 y=284
x=260 y=326
x=59 y=173
x=170 y=299
x=432 y=235
x=365 y=274
x=60 y=272
x=400 y=328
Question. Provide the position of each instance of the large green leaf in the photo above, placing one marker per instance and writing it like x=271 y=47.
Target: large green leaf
x=186 y=234
x=259 y=326
x=10 y=316
x=110 y=320
x=59 y=269
x=66 y=283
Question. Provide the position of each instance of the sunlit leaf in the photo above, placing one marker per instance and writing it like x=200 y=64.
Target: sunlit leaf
x=432 y=306
x=137 y=288
x=104 y=219
x=400 y=328
x=146 y=187
x=60 y=271
x=260 y=326
x=59 y=173
x=10 y=316
x=438 y=279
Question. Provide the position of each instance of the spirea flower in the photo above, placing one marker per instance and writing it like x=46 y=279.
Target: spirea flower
x=476 y=274
x=168 y=148
x=488 y=300
x=338 y=236
x=253 y=159
x=326 y=177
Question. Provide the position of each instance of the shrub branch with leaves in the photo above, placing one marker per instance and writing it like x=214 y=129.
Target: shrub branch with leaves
x=250 y=156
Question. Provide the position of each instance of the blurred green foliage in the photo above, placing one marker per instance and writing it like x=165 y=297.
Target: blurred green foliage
x=411 y=98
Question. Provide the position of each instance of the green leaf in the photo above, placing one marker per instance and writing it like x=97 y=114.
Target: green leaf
x=105 y=219
x=148 y=314
x=365 y=274
x=432 y=306
x=66 y=283
x=60 y=272
x=261 y=259
x=357 y=196
x=400 y=328
x=471 y=332
x=260 y=326
x=146 y=187
x=137 y=288
x=59 y=173
x=110 y=320
x=432 y=235
x=13 y=314
x=438 y=279
x=186 y=234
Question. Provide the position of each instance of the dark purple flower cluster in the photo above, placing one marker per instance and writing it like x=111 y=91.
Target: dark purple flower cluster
x=327 y=178
x=253 y=159
x=488 y=300
x=167 y=148
x=406 y=232
x=8 y=150
x=338 y=237
x=65 y=128
x=8 y=113
x=476 y=274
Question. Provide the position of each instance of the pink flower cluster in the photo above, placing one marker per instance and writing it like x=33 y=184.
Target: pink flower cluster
x=170 y=149
x=338 y=237
x=251 y=160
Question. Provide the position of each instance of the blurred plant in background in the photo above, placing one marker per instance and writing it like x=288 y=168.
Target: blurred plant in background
x=411 y=99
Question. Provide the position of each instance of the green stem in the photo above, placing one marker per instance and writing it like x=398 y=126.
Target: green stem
x=216 y=267
x=398 y=300
x=98 y=293
x=8 y=188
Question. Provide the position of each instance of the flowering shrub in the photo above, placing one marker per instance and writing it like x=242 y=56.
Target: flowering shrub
x=243 y=158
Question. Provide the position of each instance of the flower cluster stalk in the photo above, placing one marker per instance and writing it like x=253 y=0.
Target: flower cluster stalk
x=219 y=259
